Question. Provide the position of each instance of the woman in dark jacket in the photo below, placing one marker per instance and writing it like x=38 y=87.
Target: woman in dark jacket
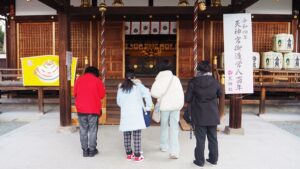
x=202 y=95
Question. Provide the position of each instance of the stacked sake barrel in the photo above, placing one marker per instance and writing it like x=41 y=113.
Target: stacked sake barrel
x=282 y=56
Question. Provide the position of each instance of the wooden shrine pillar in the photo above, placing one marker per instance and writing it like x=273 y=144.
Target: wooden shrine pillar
x=207 y=42
x=94 y=57
x=94 y=2
x=11 y=35
x=64 y=46
x=295 y=32
x=222 y=98
x=298 y=35
x=94 y=38
x=235 y=115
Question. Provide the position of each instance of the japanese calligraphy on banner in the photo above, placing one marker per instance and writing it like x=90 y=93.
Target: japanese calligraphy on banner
x=238 y=53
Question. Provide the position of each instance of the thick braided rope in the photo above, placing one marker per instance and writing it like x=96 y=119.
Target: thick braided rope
x=102 y=40
x=195 y=36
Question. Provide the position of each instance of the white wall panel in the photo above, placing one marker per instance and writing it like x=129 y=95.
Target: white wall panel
x=225 y=2
x=33 y=7
x=271 y=7
x=129 y=2
x=76 y=2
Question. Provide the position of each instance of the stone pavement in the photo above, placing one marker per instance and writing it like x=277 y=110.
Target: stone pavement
x=39 y=145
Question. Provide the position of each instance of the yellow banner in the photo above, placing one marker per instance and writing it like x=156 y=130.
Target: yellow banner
x=44 y=70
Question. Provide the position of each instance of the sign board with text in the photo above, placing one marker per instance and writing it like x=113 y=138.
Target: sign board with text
x=238 y=53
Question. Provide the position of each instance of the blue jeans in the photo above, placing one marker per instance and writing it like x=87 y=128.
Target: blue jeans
x=169 y=118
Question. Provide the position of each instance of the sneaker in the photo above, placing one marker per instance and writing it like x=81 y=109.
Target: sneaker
x=173 y=156
x=93 y=153
x=130 y=157
x=211 y=162
x=85 y=153
x=198 y=165
x=139 y=159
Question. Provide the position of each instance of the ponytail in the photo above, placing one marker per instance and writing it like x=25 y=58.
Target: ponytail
x=127 y=85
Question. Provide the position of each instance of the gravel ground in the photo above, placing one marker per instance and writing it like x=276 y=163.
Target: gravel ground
x=6 y=127
x=290 y=126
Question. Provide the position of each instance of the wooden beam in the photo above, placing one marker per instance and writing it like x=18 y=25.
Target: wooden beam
x=208 y=2
x=53 y=18
x=94 y=2
x=36 y=18
x=243 y=5
x=57 y=5
x=4 y=6
x=150 y=2
x=142 y=13
x=233 y=2
x=64 y=44
x=296 y=5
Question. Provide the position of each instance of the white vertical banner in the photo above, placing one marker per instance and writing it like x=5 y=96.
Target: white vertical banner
x=238 y=53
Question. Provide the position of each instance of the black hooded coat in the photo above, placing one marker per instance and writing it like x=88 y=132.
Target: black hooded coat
x=202 y=95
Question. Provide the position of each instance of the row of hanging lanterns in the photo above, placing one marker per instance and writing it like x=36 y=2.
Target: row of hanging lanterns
x=116 y=3
x=182 y=3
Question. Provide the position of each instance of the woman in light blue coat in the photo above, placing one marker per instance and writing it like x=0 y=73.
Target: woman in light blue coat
x=130 y=99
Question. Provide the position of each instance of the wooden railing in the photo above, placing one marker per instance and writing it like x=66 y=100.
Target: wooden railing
x=11 y=80
x=10 y=74
x=271 y=80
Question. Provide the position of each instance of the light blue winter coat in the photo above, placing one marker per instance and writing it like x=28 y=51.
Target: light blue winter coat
x=132 y=106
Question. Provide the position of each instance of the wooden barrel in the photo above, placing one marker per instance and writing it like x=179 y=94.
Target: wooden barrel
x=272 y=60
x=283 y=43
x=256 y=60
x=291 y=61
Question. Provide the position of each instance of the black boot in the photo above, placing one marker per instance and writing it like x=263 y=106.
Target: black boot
x=92 y=153
x=85 y=153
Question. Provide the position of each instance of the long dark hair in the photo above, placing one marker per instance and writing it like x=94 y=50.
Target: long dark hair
x=127 y=84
